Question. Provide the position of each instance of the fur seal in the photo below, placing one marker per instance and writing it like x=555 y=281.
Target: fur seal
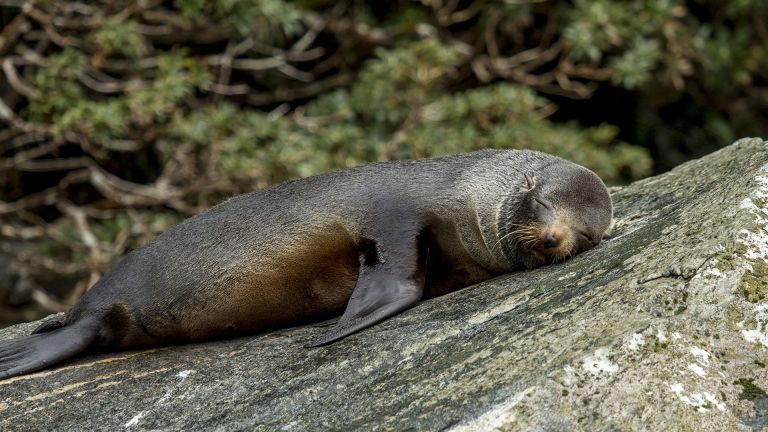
x=368 y=241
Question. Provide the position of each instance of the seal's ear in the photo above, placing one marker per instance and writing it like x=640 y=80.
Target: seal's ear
x=530 y=183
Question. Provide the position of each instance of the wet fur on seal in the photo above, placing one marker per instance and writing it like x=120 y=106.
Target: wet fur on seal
x=369 y=242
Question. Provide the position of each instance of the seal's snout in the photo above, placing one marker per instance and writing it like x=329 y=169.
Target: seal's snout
x=549 y=241
x=551 y=237
x=553 y=242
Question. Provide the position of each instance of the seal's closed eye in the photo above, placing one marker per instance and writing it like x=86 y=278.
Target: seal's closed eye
x=588 y=238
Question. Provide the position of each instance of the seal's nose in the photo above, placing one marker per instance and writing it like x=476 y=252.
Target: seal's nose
x=549 y=241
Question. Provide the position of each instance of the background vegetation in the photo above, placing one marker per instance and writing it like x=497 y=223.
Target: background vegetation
x=119 y=118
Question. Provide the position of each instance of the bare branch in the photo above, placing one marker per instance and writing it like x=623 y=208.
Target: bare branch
x=296 y=74
x=227 y=90
x=22 y=233
x=24 y=139
x=47 y=302
x=96 y=257
x=46 y=197
x=15 y=81
x=255 y=64
x=310 y=90
x=22 y=157
x=305 y=41
x=12 y=31
x=60 y=164
x=112 y=86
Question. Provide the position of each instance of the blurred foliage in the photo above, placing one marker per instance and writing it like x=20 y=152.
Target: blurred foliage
x=118 y=118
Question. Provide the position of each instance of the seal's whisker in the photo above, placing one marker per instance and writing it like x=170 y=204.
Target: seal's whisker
x=523 y=232
x=518 y=225
x=505 y=236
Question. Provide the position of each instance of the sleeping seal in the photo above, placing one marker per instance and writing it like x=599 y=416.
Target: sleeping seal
x=369 y=242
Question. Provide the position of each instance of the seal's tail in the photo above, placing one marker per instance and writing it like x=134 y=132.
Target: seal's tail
x=39 y=351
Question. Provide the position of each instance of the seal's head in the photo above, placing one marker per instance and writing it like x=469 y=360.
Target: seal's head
x=561 y=210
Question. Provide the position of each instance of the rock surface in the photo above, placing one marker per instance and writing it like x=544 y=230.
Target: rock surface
x=663 y=327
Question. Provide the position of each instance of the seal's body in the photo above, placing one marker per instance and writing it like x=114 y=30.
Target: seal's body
x=368 y=241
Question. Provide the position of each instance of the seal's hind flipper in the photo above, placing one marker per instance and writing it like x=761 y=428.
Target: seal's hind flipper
x=39 y=351
x=56 y=322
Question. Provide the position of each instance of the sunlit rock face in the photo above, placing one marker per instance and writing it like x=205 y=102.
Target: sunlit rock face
x=662 y=327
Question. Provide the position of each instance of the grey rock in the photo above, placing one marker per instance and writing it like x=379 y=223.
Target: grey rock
x=663 y=327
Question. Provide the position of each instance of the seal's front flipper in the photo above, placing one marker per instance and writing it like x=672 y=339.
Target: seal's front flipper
x=388 y=280
x=39 y=351
x=376 y=296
